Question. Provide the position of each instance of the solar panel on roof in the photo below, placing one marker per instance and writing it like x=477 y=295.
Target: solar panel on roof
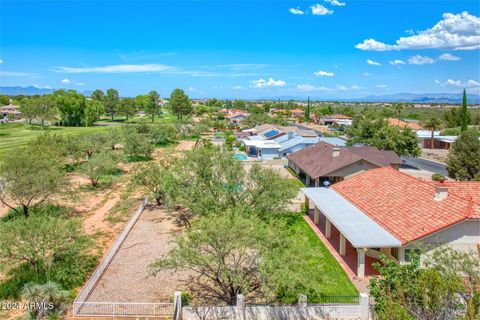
x=271 y=133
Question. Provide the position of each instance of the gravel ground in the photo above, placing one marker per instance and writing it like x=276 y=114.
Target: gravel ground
x=127 y=278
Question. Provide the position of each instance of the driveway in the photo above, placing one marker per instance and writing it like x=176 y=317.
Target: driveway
x=424 y=164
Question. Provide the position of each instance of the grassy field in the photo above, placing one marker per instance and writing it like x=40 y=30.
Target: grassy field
x=329 y=277
x=14 y=135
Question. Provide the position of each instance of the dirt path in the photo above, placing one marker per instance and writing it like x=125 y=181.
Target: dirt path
x=127 y=278
x=185 y=145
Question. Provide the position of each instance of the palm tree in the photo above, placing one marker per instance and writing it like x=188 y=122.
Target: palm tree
x=398 y=111
x=432 y=124
x=49 y=296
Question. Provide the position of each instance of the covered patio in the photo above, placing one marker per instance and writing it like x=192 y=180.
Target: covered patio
x=351 y=233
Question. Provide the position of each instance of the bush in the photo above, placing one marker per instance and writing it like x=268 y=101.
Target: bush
x=438 y=177
x=136 y=146
x=100 y=165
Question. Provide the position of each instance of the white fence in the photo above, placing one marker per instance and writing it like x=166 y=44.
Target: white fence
x=300 y=311
x=82 y=307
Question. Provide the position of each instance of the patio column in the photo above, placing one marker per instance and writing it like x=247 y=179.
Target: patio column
x=361 y=262
x=316 y=215
x=328 y=228
x=307 y=203
x=343 y=244
x=307 y=181
x=317 y=182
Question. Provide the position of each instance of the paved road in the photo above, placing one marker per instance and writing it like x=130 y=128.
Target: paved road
x=425 y=164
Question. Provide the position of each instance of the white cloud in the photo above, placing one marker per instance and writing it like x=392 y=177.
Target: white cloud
x=236 y=87
x=355 y=87
x=121 y=68
x=342 y=88
x=459 y=83
x=418 y=59
x=262 y=83
x=321 y=73
x=436 y=81
x=319 y=10
x=296 y=11
x=308 y=88
x=373 y=63
x=454 y=32
x=336 y=3
x=448 y=57
x=41 y=87
x=66 y=81
x=1 y=61
x=79 y=83
x=367 y=74
x=16 y=74
x=397 y=62
x=381 y=86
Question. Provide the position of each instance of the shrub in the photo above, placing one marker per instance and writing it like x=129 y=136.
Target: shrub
x=438 y=177
x=136 y=146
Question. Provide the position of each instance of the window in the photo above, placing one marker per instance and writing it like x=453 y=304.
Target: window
x=395 y=253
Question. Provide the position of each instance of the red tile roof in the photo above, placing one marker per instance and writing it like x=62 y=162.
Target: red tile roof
x=405 y=206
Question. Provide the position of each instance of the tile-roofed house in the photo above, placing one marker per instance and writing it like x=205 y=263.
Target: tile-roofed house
x=326 y=162
x=404 y=124
x=386 y=211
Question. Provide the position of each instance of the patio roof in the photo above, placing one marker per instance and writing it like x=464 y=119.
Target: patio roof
x=356 y=226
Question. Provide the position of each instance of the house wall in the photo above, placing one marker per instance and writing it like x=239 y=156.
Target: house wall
x=352 y=169
x=269 y=154
x=295 y=148
x=461 y=236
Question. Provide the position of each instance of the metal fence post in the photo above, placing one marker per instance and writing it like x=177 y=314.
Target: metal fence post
x=240 y=307
x=177 y=305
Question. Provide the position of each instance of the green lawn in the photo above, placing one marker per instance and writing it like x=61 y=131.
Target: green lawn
x=323 y=270
x=13 y=135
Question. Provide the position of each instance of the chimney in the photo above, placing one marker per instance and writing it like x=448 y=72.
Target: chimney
x=335 y=152
x=441 y=191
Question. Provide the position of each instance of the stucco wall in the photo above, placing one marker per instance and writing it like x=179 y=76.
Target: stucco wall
x=461 y=236
x=354 y=168
x=269 y=154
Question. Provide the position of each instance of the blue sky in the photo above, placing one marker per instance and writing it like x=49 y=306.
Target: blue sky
x=243 y=49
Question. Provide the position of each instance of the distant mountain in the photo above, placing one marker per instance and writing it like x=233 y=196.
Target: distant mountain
x=30 y=91
x=454 y=98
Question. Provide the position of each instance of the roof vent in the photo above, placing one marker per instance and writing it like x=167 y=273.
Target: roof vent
x=335 y=152
x=441 y=191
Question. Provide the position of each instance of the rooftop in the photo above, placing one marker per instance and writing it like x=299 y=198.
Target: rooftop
x=405 y=206
x=318 y=160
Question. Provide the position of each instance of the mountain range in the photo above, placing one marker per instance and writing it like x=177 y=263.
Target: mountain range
x=452 y=98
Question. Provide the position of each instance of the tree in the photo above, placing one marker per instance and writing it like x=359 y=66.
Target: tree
x=180 y=103
x=4 y=100
x=98 y=95
x=152 y=106
x=464 y=113
x=432 y=124
x=50 y=298
x=398 y=109
x=101 y=164
x=27 y=108
x=71 y=106
x=136 y=145
x=403 y=141
x=410 y=291
x=93 y=143
x=111 y=102
x=93 y=110
x=224 y=254
x=45 y=108
x=127 y=107
x=463 y=162
x=157 y=178
x=30 y=176
x=40 y=241
x=208 y=179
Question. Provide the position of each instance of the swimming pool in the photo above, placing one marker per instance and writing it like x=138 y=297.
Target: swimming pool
x=240 y=156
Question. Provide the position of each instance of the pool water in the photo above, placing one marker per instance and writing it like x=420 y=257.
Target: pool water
x=240 y=156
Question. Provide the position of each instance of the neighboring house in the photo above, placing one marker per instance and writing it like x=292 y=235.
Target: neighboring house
x=10 y=111
x=236 y=118
x=385 y=211
x=285 y=140
x=338 y=119
x=297 y=113
x=439 y=141
x=404 y=124
x=325 y=162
